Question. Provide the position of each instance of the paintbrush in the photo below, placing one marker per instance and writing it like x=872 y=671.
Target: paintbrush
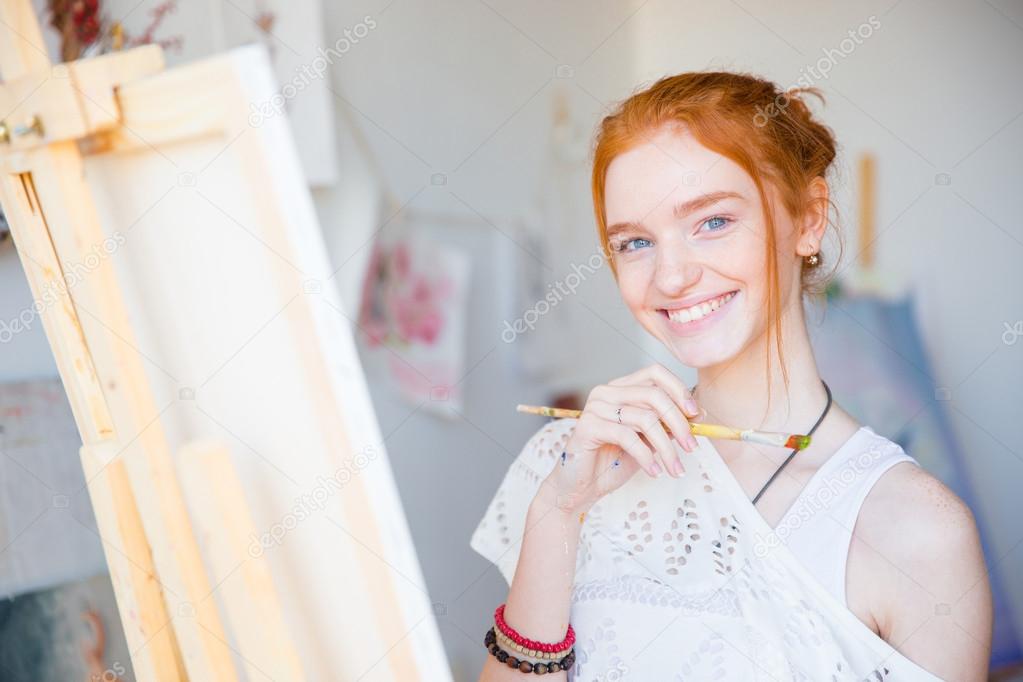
x=792 y=441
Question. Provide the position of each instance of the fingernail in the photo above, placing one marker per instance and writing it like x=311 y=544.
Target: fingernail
x=692 y=408
x=676 y=464
x=655 y=469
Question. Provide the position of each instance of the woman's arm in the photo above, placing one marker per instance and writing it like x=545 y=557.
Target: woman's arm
x=538 y=602
x=922 y=556
x=621 y=429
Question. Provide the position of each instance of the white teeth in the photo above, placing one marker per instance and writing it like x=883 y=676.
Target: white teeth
x=700 y=310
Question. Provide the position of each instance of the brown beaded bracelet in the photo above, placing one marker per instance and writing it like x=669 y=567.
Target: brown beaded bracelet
x=522 y=652
x=490 y=641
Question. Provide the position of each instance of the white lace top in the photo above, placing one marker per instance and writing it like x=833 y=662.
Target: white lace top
x=683 y=579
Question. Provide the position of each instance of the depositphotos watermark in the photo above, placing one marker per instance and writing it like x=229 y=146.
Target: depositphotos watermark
x=557 y=292
x=1012 y=333
x=820 y=70
x=314 y=70
x=115 y=673
x=313 y=501
x=71 y=274
x=822 y=498
x=616 y=673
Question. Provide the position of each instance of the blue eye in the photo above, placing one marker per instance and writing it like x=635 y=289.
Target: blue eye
x=621 y=246
x=724 y=221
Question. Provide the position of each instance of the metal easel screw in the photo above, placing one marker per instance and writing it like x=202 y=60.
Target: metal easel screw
x=34 y=125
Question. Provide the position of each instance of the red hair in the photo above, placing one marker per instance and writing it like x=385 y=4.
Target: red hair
x=769 y=133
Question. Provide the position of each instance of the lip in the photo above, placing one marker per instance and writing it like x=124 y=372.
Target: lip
x=687 y=328
x=690 y=301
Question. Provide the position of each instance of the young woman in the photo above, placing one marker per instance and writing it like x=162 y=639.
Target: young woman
x=726 y=560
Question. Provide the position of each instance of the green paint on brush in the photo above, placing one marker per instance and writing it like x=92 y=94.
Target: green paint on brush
x=798 y=442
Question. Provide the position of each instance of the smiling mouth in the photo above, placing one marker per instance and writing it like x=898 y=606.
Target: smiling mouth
x=698 y=311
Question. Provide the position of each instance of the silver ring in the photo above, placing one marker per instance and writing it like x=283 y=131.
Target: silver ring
x=619 y=415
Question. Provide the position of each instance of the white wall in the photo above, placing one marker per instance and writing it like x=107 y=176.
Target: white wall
x=24 y=353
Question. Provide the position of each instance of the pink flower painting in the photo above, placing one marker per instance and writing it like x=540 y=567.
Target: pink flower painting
x=401 y=304
x=413 y=311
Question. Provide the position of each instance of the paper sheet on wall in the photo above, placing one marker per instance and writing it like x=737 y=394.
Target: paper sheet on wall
x=413 y=314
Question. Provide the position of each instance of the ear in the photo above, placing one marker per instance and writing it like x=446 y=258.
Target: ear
x=815 y=218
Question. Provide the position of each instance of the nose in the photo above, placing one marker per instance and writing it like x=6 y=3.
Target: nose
x=676 y=271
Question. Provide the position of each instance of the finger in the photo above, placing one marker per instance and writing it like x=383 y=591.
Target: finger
x=635 y=447
x=668 y=411
x=676 y=388
x=681 y=396
x=656 y=398
x=600 y=432
x=651 y=428
x=645 y=421
x=628 y=440
x=662 y=376
x=664 y=404
x=638 y=377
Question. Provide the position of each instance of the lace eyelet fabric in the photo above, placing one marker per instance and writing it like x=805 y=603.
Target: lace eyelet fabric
x=675 y=580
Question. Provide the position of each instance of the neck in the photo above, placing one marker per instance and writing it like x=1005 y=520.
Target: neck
x=736 y=392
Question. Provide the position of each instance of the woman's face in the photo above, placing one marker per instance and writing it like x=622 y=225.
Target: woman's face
x=687 y=235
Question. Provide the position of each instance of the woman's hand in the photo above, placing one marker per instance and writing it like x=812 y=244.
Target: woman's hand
x=620 y=431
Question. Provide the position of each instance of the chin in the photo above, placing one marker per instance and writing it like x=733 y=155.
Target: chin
x=699 y=352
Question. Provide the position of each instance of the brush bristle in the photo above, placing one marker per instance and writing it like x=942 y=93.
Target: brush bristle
x=798 y=442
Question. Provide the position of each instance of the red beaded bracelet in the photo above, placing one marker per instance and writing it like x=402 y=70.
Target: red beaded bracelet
x=547 y=647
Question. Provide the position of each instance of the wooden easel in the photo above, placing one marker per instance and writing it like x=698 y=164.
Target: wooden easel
x=173 y=508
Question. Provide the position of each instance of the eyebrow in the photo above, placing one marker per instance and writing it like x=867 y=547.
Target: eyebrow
x=683 y=209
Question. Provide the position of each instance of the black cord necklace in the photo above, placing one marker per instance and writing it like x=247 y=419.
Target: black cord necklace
x=793 y=453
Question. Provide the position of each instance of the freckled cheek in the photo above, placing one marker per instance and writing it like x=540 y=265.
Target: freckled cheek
x=633 y=286
x=750 y=273
x=745 y=267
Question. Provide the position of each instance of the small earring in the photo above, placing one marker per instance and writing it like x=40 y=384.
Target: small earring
x=813 y=260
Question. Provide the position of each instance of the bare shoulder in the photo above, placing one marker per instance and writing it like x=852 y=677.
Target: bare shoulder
x=917 y=562
x=915 y=515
